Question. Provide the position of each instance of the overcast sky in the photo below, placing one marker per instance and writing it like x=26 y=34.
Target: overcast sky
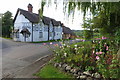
x=13 y=5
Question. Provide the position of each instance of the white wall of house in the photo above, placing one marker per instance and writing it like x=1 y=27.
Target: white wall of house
x=45 y=32
x=51 y=33
x=58 y=32
x=20 y=23
x=40 y=32
x=36 y=29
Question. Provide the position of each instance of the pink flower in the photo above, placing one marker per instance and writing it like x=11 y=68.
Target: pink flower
x=50 y=42
x=104 y=37
x=97 y=52
x=97 y=57
x=55 y=44
x=107 y=48
x=44 y=44
x=83 y=40
x=100 y=52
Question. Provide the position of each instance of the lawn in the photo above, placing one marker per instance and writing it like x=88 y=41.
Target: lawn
x=50 y=71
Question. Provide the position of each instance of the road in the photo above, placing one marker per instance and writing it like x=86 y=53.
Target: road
x=17 y=55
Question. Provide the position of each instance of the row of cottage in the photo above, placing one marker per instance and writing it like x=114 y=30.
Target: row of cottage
x=29 y=27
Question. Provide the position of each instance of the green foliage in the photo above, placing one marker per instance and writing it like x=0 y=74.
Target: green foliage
x=108 y=66
x=74 y=54
x=78 y=32
x=117 y=36
x=42 y=8
x=7 y=24
x=91 y=57
x=88 y=34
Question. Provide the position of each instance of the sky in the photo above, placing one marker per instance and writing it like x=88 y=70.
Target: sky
x=51 y=11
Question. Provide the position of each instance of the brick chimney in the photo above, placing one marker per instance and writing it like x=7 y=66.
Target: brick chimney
x=30 y=7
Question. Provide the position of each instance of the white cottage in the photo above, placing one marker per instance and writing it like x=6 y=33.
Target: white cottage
x=28 y=27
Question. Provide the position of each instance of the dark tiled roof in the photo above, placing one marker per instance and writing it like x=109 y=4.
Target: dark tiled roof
x=46 y=20
x=55 y=23
x=67 y=30
x=34 y=18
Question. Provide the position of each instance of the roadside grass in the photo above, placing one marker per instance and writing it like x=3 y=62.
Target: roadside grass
x=49 y=71
x=51 y=41
x=81 y=43
x=6 y=38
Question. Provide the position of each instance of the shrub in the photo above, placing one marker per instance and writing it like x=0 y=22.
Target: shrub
x=98 y=56
x=88 y=34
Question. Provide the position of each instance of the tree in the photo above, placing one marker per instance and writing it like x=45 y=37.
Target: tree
x=106 y=15
x=7 y=24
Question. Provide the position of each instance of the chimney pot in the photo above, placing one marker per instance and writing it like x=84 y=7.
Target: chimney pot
x=30 y=7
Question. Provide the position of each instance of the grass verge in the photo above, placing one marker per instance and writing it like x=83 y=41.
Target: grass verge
x=49 y=71
x=51 y=41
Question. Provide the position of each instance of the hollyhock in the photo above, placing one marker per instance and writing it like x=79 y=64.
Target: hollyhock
x=107 y=48
x=83 y=40
x=97 y=53
x=104 y=37
x=44 y=44
x=97 y=57
x=54 y=44
x=100 y=52
x=50 y=42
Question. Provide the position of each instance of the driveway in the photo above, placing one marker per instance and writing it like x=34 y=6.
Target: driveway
x=17 y=55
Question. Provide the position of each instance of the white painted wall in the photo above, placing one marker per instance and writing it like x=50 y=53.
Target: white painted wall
x=51 y=31
x=19 y=24
x=58 y=32
x=45 y=33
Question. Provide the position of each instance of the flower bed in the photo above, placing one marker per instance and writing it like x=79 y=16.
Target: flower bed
x=97 y=57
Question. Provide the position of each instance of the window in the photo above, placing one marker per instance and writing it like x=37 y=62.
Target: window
x=50 y=34
x=16 y=35
x=40 y=34
x=57 y=29
x=35 y=27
